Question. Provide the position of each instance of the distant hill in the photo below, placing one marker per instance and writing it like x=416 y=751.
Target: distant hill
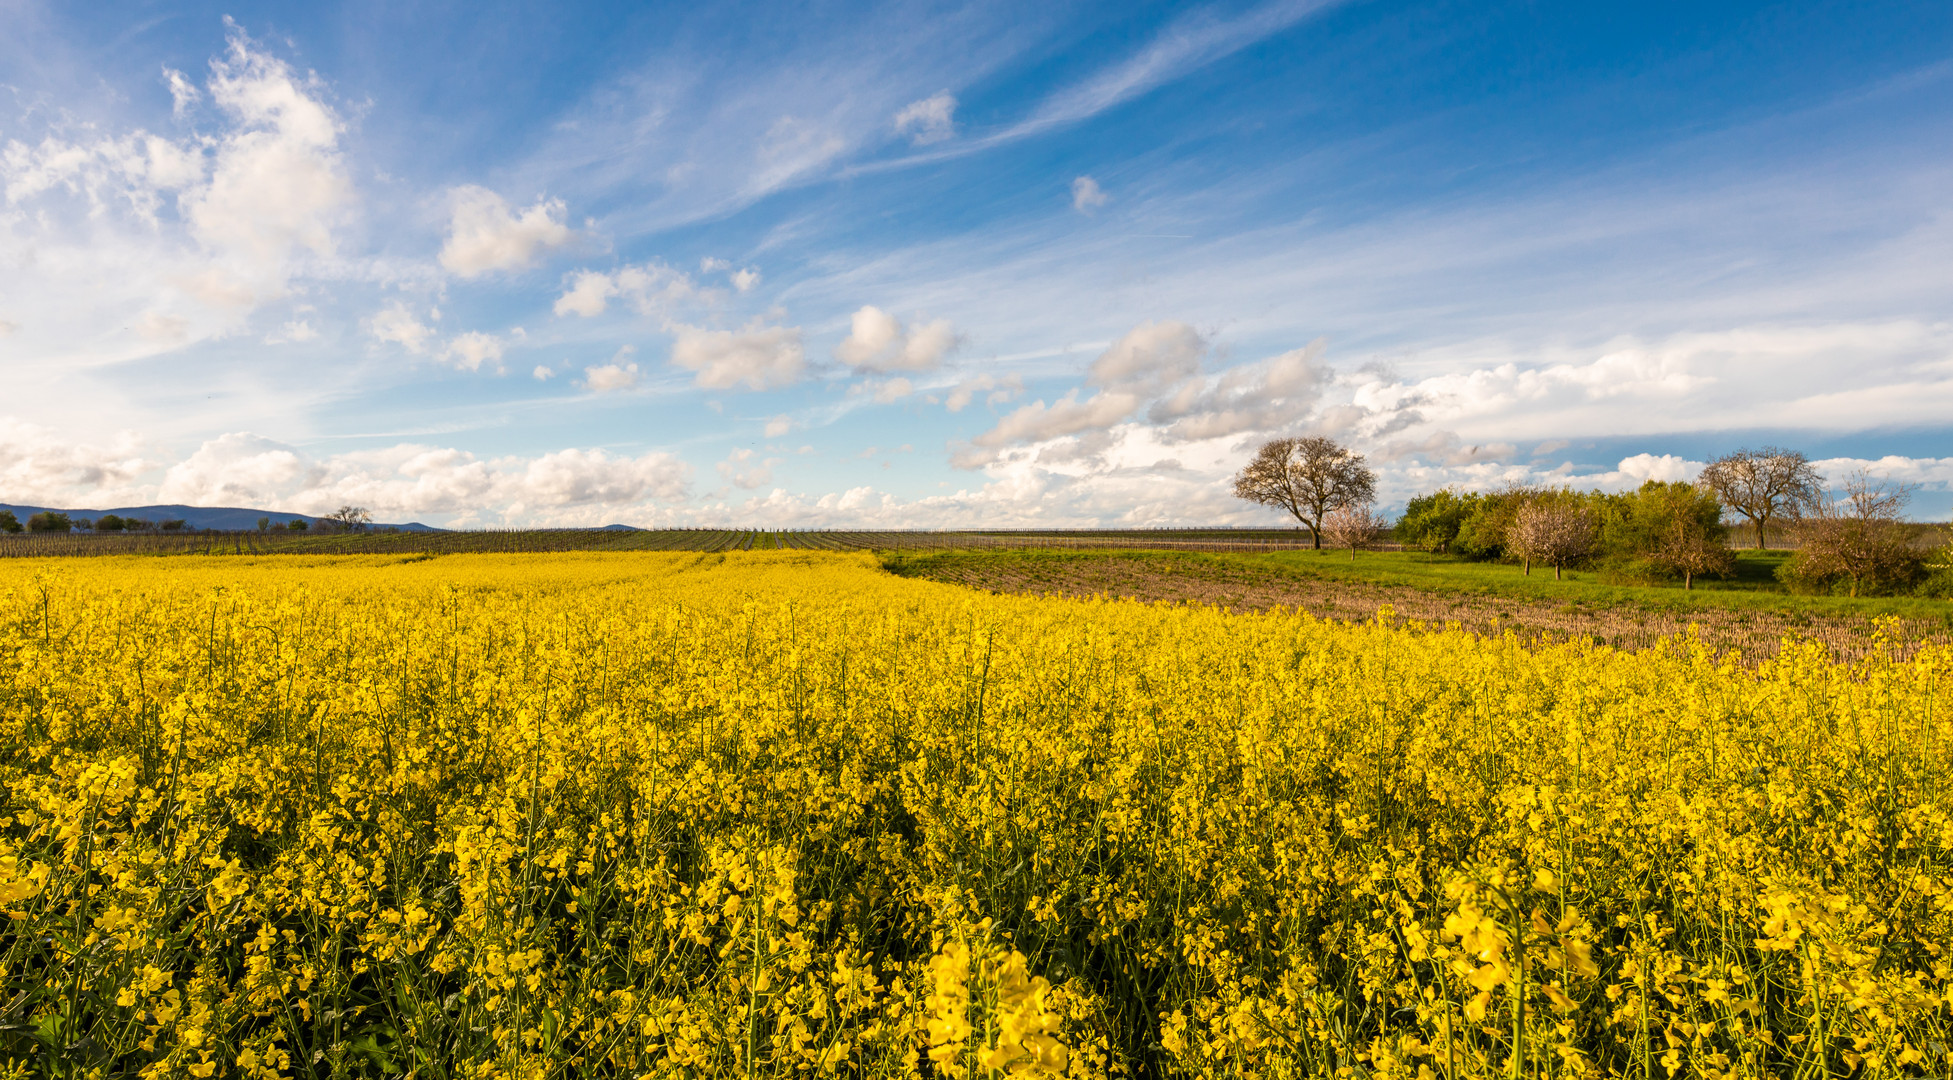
x=199 y=517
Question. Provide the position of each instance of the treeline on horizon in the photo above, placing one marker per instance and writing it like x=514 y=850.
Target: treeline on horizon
x=1668 y=531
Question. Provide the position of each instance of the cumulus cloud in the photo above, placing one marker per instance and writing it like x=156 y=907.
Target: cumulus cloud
x=413 y=480
x=930 y=120
x=779 y=426
x=277 y=184
x=237 y=469
x=484 y=234
x=743 y=279
x=258 y=195
x=1150 y=358
x=997 y=391
x=758 y=356
x=294 y=331
x=745 y=469
x=543 y=373
x=396 y=323
x=1274 y=394
x=1087 y=195
x=470 y=351
x=7 y=328
x=892 y=390
x=614 y=376
x=651 y=289
x=43 y=467
x=877 y=341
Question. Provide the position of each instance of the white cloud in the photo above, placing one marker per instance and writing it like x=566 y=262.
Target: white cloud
x=296 y=330
x=104 y=229
x=277 y=184
x=469 y=351
x=484 y=234
x=1275 y=394
x=779 y=425
x=741 y=469
x=183 y=92
x=396 y=323
x=1000 y=390
x=1151 y=358
x=238 y=469
x=588 y=295
x=744 y=279
x=893 y=390
x=1087 y=195
x=412 y=480
x=651 y=289
x=43 y=467
x=614 y=376
x=930 y=120
x=758 y=356
x=877 y=341
x=543 y=373
x=7 y=328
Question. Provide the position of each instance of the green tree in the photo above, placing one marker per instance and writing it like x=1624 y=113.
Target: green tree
x=8 y=522
x=1433 y=521
x=48 y=521
x=110 y=523
x=1678 y=529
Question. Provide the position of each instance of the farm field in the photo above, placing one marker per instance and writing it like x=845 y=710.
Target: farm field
x=539 y=541
x=1481 y=597
x=778 y=812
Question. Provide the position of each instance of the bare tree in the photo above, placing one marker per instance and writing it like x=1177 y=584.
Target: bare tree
x=1766 y=483
x=1310 y=478
x=1358 y=528
x=1551 y=532
x=350 y=518
x=1862 y=538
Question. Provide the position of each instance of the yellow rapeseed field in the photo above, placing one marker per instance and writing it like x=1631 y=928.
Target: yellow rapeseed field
x=780 y=814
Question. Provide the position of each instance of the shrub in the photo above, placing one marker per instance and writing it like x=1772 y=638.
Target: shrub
x=1860 y=543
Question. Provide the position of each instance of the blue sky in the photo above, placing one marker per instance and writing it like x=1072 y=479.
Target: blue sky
x=862 y=265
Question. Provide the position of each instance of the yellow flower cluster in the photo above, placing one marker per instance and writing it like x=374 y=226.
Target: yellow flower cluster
x=780 y=814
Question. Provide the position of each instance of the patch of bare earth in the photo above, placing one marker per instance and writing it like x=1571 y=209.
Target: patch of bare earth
x=1758 y=635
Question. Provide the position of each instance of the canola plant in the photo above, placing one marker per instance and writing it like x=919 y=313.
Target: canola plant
x=780 y=814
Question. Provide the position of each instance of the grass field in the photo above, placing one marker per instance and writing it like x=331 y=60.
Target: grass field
x=778 y=813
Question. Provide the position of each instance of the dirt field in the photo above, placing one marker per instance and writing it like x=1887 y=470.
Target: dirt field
x=1240 y=586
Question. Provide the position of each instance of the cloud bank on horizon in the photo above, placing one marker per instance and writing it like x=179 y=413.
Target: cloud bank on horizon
x=1009 y=266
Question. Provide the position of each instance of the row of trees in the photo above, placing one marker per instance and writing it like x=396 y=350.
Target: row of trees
x=1664 y=529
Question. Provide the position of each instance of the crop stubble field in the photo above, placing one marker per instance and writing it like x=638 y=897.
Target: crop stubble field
x=1756 y=625
x=780 y=813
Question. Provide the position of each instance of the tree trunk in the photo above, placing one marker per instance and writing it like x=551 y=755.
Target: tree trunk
x=1759 y=533
x=1315 y=532
x=1687 y=578
x=1556 y=571
x=1529 y=568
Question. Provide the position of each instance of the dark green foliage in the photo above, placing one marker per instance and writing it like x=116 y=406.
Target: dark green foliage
x=8 y=522
x=1432 y=522
x=48 y=521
